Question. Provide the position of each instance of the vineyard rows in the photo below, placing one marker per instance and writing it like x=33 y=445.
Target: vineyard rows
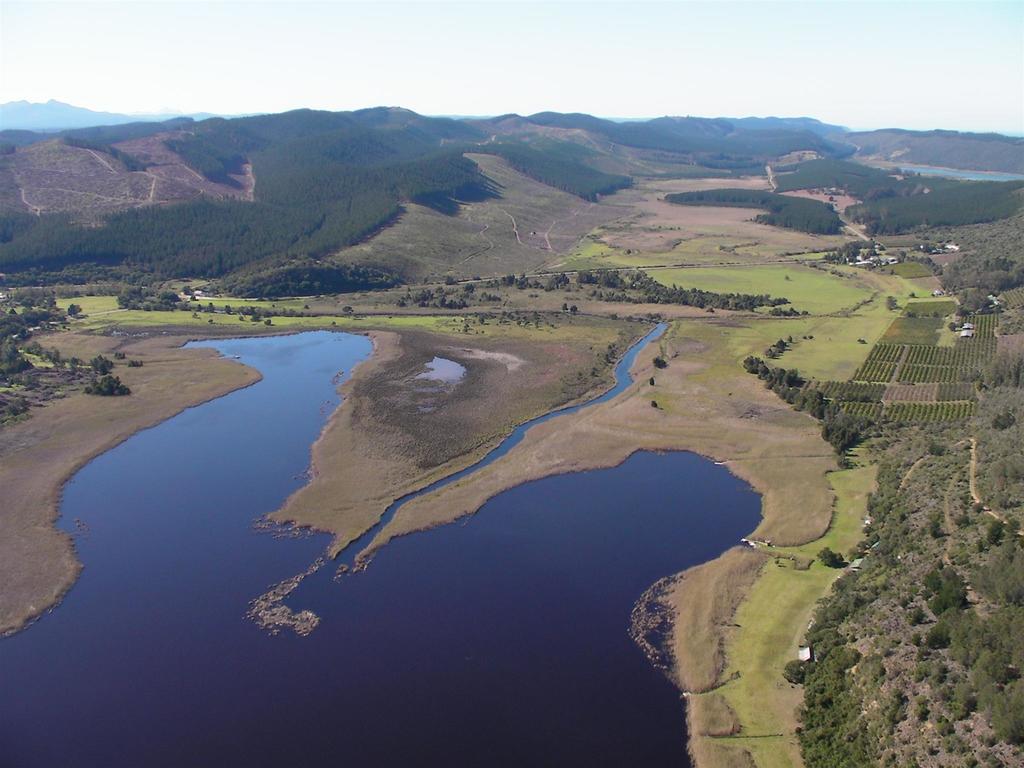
x=875 y=371
x=929 y=412
x=1014 y=298
x=885 y=353
x=871 y=411
x=984 y=328
x=929 y=374
x=960 y=391
x=851 y=390
x=911 y=393
x=933 y=382
x=966 y=353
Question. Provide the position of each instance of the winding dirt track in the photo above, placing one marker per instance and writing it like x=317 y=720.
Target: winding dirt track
x=102 y=161
x=515 y=227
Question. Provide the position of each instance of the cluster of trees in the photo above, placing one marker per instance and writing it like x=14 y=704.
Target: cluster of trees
x=306 y=277
x=107 y=386
x=840 y=429
x=613 y=285
x=783 y=211
x=34 y=308
x=439 y=297
x=148 y=299
x=11 y=359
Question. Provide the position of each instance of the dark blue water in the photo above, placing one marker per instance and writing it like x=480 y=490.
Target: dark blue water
x=500 y=640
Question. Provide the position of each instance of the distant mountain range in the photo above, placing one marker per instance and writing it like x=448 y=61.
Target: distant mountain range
x=270 y=203
x=58 y=116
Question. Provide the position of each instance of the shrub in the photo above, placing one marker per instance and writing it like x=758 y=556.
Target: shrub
x=831 y=559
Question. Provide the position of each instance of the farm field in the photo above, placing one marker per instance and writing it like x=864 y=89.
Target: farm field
x=657 y=232
x=772 y=621
x=913 y=330
x=909 y=270
x=921 y=381
x=929 y=308
x=808 y=289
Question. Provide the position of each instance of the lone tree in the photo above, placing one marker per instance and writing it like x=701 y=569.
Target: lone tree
x=831 y=559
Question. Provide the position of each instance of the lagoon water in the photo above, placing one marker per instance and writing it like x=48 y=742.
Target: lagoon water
x=501 y=639
x=953 y=173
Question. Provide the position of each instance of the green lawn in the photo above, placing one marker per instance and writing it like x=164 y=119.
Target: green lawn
x=773 y=620
x=813 y=290
x=909 y=270
x=913 y=330
x=929 y=308
x=90 y=304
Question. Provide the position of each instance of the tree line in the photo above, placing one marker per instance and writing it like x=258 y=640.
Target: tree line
x=790 y=212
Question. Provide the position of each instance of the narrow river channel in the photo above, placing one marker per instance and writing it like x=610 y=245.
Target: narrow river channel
x=499 y=640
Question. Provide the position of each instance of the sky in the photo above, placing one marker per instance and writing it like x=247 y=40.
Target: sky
x=920 y=65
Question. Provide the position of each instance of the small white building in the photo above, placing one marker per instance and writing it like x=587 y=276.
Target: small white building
x=805 y=653
x=967 y=333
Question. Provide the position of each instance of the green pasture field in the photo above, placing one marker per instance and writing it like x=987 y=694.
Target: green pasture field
x=809 y=289
x=929 y=308
x=772 y=621
x=914 y=330
x=909 y=270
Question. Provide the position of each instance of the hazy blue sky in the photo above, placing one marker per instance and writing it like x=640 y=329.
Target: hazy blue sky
x=863 y=64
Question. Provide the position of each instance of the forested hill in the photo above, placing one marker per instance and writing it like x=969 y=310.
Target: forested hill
x=294 y=187
x=709 y=142
x=947 y=149
x=212 y=197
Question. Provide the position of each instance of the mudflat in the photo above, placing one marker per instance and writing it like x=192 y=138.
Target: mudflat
x=404 y=431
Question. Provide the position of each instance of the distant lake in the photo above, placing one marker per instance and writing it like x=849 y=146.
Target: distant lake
x=953 y=173
x=500 y=640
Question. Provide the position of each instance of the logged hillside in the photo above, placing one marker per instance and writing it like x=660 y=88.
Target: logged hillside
x=88 y=180
x=265 y=198
x=326 y=180
x=271 y=195
x=946 y=149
